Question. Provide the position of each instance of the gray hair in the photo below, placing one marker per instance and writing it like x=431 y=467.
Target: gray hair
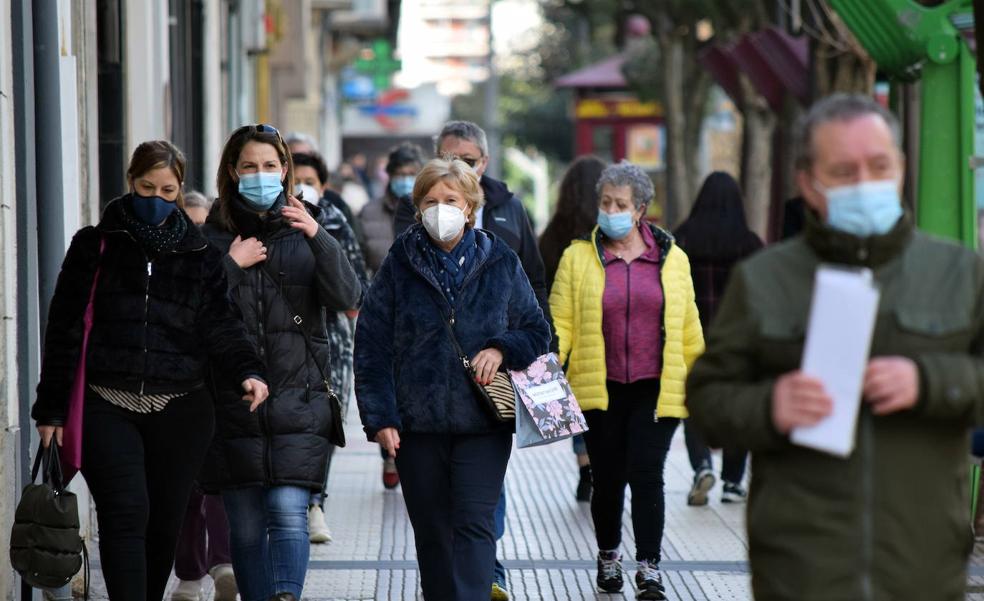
x=627 y=174
x=466 y=130
x=303 y=138
x=197 y=199
x=839 y=107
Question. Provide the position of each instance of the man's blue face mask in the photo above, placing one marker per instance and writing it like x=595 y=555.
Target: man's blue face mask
x=870 y=208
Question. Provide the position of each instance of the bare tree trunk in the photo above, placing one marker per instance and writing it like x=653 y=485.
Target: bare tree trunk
x=759 y=127
x=698 y=93
x=675 y=116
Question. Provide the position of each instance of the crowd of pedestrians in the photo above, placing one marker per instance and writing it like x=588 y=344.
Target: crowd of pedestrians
x=230 y=336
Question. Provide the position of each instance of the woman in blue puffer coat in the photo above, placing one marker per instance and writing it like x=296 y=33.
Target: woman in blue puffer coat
x=413 y=392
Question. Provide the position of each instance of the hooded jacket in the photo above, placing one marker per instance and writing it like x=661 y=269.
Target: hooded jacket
x=408 y=375
x=157 y=319
x=285 y=441
x=891 y=521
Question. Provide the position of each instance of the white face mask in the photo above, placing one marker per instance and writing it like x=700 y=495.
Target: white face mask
x=310 y=194
x=443 y=222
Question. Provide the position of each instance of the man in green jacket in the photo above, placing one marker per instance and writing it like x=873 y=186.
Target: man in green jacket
x=892 y=520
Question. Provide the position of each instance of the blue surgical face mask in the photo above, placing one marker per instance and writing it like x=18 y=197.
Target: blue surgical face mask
x=864 y=209
x=402 y=185
x=152 y=210
x=260 y=190
x=616 y=225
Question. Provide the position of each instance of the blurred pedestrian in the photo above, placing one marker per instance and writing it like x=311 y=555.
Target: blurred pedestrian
x=301 y=142
x=354 y=191
x=377 y=216
x=285 y=273
x=160 y=311
x=197 y=206
x=414 y=396
x=623 y=305
x=575 y=216
x=890 y=521
x=715 y=237
x=203 y=549
x=308 y=171
x=503 y=216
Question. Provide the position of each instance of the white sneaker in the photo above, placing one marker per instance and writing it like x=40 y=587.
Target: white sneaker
x=188 y=590
x=318 y=531
x=224 y=578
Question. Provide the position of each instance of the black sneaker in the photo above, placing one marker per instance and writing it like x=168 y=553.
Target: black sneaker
x=649 y=582
x=733 y=493
x=609 y=572
x=583 y=493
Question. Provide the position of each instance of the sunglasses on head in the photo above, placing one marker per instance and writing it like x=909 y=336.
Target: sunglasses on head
x=261 y=128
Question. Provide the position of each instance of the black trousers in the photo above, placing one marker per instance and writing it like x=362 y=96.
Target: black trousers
x=733 y=459
x=140 y=469
x=451 y=485
x=626 y=446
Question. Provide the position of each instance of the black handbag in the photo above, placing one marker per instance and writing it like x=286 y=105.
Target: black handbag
x=499 y=397
x=45 y=546
x=337 y=434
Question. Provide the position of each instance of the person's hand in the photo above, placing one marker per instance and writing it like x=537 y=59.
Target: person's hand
x=248 y=252
x=256 y=392
x=389 y=439
x=299 y=218
x=891 y=384
x=485 y=364
x=799 y=400
x=47 y=432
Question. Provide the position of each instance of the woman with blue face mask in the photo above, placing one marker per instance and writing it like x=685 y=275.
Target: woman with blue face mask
x=285 y=273
x=627 y=327
x=160 y=314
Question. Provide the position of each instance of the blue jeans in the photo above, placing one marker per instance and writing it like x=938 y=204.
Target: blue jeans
x=269 y=539
x=499 y=574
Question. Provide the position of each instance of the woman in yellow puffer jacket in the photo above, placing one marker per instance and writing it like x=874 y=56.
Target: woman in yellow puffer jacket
x=628 y=329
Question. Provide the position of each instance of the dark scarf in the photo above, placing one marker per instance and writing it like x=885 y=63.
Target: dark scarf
x=250 y=224
x=155 y=239
x=449 y=268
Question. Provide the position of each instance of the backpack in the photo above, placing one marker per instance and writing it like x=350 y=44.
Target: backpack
x=45 y=546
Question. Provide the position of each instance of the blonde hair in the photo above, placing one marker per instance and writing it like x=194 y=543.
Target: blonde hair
x=457 y=175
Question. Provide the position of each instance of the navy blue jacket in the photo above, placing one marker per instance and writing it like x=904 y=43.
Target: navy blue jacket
x=407 y=373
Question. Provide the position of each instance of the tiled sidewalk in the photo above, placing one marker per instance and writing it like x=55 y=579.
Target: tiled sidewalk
x=549 y=543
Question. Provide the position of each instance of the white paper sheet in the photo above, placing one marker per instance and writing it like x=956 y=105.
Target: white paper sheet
x=838 y=342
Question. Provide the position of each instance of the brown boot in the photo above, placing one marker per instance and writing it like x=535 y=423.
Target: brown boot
x=283 y=597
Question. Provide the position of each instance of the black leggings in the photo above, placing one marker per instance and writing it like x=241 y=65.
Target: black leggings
x=626 y=446
x=140 y=469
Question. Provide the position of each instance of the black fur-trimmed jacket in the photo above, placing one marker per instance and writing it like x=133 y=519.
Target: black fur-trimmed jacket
x=286 y=440
x=157 y=319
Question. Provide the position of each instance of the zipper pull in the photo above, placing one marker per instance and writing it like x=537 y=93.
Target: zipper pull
x=452 y=317
x=655 y=416
x=150 y=269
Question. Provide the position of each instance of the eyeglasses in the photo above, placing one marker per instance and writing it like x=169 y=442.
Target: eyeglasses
x=468 y=161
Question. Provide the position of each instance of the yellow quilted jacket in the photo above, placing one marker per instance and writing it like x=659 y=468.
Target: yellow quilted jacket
x=576 y=299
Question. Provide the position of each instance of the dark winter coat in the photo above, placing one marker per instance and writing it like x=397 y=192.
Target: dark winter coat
x=376 y=219
x=892 y=520
x=506 y=219
x=285 y=442
x=157 y=319
x=407 y=373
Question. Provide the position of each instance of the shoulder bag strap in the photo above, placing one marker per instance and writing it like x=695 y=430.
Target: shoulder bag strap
x=299 y=322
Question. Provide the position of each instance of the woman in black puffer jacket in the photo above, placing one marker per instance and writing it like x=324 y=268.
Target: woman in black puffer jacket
x=161 y=308
x=281 y=265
